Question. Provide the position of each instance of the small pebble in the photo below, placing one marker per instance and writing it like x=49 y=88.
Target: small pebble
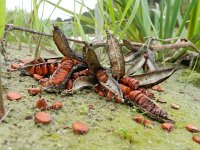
x=80 y=128
x=28 y=117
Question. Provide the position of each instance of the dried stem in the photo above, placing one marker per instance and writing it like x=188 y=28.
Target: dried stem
x=2 y=110
x=182 y=44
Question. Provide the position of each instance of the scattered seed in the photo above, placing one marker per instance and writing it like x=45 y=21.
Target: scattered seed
x=37 y=77
x=192 y=128
x=175 y=106
x=34 y=91
x=79 y=128
x=155 y=87
x=43 y=117
x=13 y=96
x=100 y=93
x=147 y=122
x=41 y=104
x=161 y=101
x=167 y=127
x=196 y=139
x=158 y=88
x=15 y=66
x=57 y=105
x=138 y=118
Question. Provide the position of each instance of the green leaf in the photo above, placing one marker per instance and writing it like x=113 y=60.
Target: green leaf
x=167 y=21
x=2 y=16
x=134 y=11
x=174 y=16
x=192 y=29
x=186 y=16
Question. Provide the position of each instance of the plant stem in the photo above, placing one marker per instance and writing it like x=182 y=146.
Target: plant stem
x=2 y=24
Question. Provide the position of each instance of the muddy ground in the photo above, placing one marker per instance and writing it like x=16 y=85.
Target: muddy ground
x=111 y=124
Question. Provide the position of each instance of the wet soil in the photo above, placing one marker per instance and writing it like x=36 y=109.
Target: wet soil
x=111 y=125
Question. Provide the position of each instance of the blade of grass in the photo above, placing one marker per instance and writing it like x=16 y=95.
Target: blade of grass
x=80 y=28
x=134 y=11
x=100 y=3
x=112 y=13
x=128 y=5
x=145 y=17
x=180 y=19
x=35 y=10
x=161 y=19
x=167 y=21
x=173 y=17
x=186 y=16
x=192 y=29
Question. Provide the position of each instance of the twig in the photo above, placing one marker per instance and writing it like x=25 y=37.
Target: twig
x=13 y=27
x=5 y=115
x=182 y=44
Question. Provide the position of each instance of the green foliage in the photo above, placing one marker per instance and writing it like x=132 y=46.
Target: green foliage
x=130 y=19
x=2 y=16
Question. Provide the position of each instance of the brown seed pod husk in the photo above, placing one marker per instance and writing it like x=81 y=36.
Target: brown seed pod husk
x=116 y=57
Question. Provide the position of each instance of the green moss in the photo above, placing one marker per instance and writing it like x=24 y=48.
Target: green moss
x=192 y=77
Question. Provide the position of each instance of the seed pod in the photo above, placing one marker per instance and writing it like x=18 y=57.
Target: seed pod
x=116 y=57
x=153 y=78
x=62 y=44
x=146 y=105
x=90 y=57
x=110 y=84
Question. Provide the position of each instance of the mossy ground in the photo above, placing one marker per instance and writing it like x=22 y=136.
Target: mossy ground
x=111 y=125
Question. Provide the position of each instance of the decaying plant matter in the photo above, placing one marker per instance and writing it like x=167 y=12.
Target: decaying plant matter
x=75 y=71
